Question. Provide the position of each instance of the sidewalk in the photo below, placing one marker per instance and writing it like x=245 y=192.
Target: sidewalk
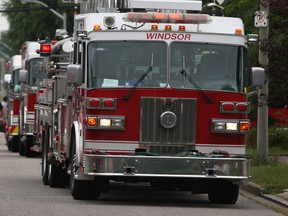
x=257 y=190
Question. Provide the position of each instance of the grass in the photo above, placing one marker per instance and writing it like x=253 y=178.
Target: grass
x=271 y=175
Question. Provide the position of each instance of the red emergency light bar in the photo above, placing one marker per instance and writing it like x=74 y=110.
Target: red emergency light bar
x=167 y=18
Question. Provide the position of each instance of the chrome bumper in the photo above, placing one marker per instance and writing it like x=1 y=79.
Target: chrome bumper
x=237 y=169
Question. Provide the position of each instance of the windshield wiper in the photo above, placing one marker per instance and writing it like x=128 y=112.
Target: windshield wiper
x=143 y=76
x=193 y=82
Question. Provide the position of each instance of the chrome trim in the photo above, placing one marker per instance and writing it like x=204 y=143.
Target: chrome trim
x=159 y=166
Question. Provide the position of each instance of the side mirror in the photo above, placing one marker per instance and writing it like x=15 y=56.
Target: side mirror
x=23 y=76
x=252 y=38
x=257 y=77
x=7 y=79
x=74 y=75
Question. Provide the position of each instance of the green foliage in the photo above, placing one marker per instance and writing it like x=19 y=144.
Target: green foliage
x=31 y=25
x=277 y=137
x=272 y=176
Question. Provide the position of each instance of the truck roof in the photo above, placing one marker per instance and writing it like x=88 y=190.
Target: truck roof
x=218 y=25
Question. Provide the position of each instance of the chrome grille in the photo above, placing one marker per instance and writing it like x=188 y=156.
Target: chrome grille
x=170 y=140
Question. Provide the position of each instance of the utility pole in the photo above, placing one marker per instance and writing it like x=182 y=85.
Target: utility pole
x=261 y=19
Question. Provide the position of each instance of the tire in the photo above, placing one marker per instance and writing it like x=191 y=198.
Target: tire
x=81 y=189
x=14 y=144
x=223 y=193
x=9 y=144
x=45 y=165
x=21 y=148
x=28 y=143
x=58 y=177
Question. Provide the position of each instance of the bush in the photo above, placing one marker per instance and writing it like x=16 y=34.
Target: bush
x=277 y=137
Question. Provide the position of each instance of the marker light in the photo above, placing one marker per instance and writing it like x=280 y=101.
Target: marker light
x=154 y=27
x=168 y=27
x=96 y=27
x=92 y=121
x=167 y=18
x=181 y=28
x=238 y=31
x=244 y=126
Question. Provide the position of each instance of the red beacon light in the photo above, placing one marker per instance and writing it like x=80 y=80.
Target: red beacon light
x=45 y=49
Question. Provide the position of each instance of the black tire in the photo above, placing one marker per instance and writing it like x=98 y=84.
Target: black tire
x=14 y=144
x=21 y=148
x=223 y=193
x=9 y=144
x=58 y=177
x=45 y=149
x=28 y=143
x=81 y=189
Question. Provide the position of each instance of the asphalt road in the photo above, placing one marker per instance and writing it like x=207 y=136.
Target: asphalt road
x=23 y=193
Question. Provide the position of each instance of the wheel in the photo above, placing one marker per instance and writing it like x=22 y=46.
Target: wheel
x=223 y=193
x=81 y=189
x=14 y=144
x=45 y=150
x=58 y=177
x=9 y=144
x=28 y=143
x=21 y=148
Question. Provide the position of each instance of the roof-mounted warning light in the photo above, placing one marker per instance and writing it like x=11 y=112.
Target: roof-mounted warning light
x=45 y=49
x=167 y=18
x=193 y=5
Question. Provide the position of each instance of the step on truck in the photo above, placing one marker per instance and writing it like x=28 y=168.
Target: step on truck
x=157 y=93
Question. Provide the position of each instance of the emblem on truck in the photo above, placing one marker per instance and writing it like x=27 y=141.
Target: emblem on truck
x=168 y=119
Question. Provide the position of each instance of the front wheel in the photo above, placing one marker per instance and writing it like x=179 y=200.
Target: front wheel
x=223 y=193
x=81 y=189
x=45 y=150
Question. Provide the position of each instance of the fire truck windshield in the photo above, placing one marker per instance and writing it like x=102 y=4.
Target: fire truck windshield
x=34 y=74
x=120 y=64
x=211 y=66
x=123 y=63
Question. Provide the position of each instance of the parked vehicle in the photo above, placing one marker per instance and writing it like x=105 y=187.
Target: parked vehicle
x=153 y=96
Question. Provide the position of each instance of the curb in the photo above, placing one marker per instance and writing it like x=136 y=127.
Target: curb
x=257 y=190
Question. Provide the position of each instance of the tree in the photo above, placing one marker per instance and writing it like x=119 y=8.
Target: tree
x=276 y=46
x=28 y=24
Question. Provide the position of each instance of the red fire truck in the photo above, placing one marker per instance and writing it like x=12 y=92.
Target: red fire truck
x=13 y=109
x=157 y=96
x=29 y=77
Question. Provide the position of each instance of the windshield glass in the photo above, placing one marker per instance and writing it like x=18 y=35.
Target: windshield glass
x=15 y=80
x=211 y=66
x=121 y=64
x=34 y=74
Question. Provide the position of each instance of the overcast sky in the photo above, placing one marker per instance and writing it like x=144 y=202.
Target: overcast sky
x=4 y=25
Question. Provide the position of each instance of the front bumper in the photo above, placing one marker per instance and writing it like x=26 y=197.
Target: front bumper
x=234 y=169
